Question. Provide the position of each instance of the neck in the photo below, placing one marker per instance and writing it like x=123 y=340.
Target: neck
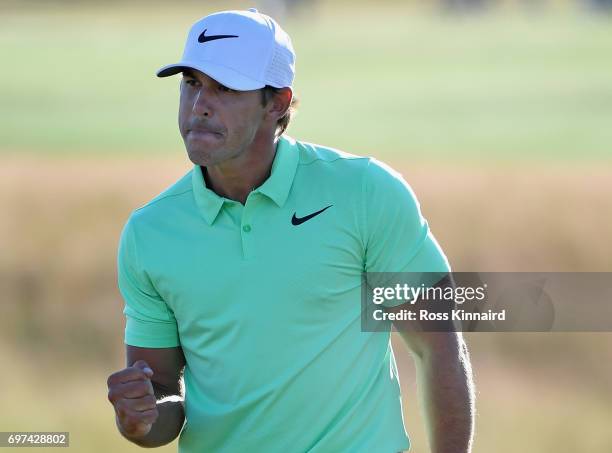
x=236 y=178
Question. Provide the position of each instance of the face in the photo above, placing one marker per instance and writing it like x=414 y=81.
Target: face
x=217 y=123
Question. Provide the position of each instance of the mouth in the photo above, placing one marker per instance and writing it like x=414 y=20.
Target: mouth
x=204 y=131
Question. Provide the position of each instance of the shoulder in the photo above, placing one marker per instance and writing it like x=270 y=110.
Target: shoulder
x=167 y=202
x=376 y=180
x=312 y=154
x=323 y=162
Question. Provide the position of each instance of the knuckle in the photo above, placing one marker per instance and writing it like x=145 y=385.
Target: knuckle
x=140 y=387
x=120 y=408
x=130 y=404
x=150 y=416
x=110 y=380
x=116 y=378
x=136 y=373
x=149 y=420
x=147 y=402
x=144 y=404
x=132 y=418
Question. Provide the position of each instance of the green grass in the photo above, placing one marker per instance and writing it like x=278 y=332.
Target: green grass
x=387 y=81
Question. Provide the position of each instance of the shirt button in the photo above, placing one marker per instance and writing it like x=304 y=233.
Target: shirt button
x=246 y=228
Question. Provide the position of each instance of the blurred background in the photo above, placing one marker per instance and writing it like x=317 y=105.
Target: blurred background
x=498 y=113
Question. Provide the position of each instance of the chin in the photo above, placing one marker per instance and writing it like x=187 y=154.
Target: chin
x=199 y=158
x=201 y=153
x=204 y=157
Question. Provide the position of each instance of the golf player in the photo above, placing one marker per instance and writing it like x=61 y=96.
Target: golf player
x=242 y=280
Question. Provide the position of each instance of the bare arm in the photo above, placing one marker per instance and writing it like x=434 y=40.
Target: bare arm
x=446 y=388
x=444 y=380
x=149 y=406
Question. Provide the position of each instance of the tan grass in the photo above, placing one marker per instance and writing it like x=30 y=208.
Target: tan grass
x=61 y=312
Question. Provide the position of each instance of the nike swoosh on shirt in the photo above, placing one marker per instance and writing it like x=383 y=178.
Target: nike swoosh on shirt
x=299 y=220
x=203 y=38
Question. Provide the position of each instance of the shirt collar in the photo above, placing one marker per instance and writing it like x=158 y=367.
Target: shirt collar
x=276 y=187
x=279 y=183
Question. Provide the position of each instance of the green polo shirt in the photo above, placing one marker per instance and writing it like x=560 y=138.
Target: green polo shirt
x=264 y=299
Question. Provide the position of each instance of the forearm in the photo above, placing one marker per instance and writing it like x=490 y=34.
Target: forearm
x=446 y=391
x=167 y=426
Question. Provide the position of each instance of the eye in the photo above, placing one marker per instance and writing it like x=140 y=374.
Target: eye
x=190 y=82
x=225 y=89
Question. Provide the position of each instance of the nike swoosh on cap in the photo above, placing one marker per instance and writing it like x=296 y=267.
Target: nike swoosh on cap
x=203 y=38
x=299 y=220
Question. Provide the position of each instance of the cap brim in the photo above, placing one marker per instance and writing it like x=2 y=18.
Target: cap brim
x=226 y=76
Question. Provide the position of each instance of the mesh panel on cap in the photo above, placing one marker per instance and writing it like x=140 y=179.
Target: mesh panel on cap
x=278 y=72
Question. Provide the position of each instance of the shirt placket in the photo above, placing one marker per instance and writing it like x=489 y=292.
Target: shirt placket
x=248 y=229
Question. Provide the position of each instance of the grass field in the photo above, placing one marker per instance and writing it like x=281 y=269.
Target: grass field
x=61 y=331
x=500 y=122
x=388 y=79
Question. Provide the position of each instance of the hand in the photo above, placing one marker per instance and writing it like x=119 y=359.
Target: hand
x=130 y=391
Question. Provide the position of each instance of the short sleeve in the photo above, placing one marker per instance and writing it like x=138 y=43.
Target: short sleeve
x=150 y=323
x=397 y=236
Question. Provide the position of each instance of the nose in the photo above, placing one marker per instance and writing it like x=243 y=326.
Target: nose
x=201 y=104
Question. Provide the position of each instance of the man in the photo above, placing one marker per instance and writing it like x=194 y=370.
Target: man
x=246 y=275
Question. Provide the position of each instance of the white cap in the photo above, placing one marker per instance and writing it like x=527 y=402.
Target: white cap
x=243 y=50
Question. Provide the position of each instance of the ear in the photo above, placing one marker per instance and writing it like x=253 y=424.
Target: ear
x=279 y=103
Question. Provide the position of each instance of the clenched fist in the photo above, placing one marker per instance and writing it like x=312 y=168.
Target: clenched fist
x=131 y=393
